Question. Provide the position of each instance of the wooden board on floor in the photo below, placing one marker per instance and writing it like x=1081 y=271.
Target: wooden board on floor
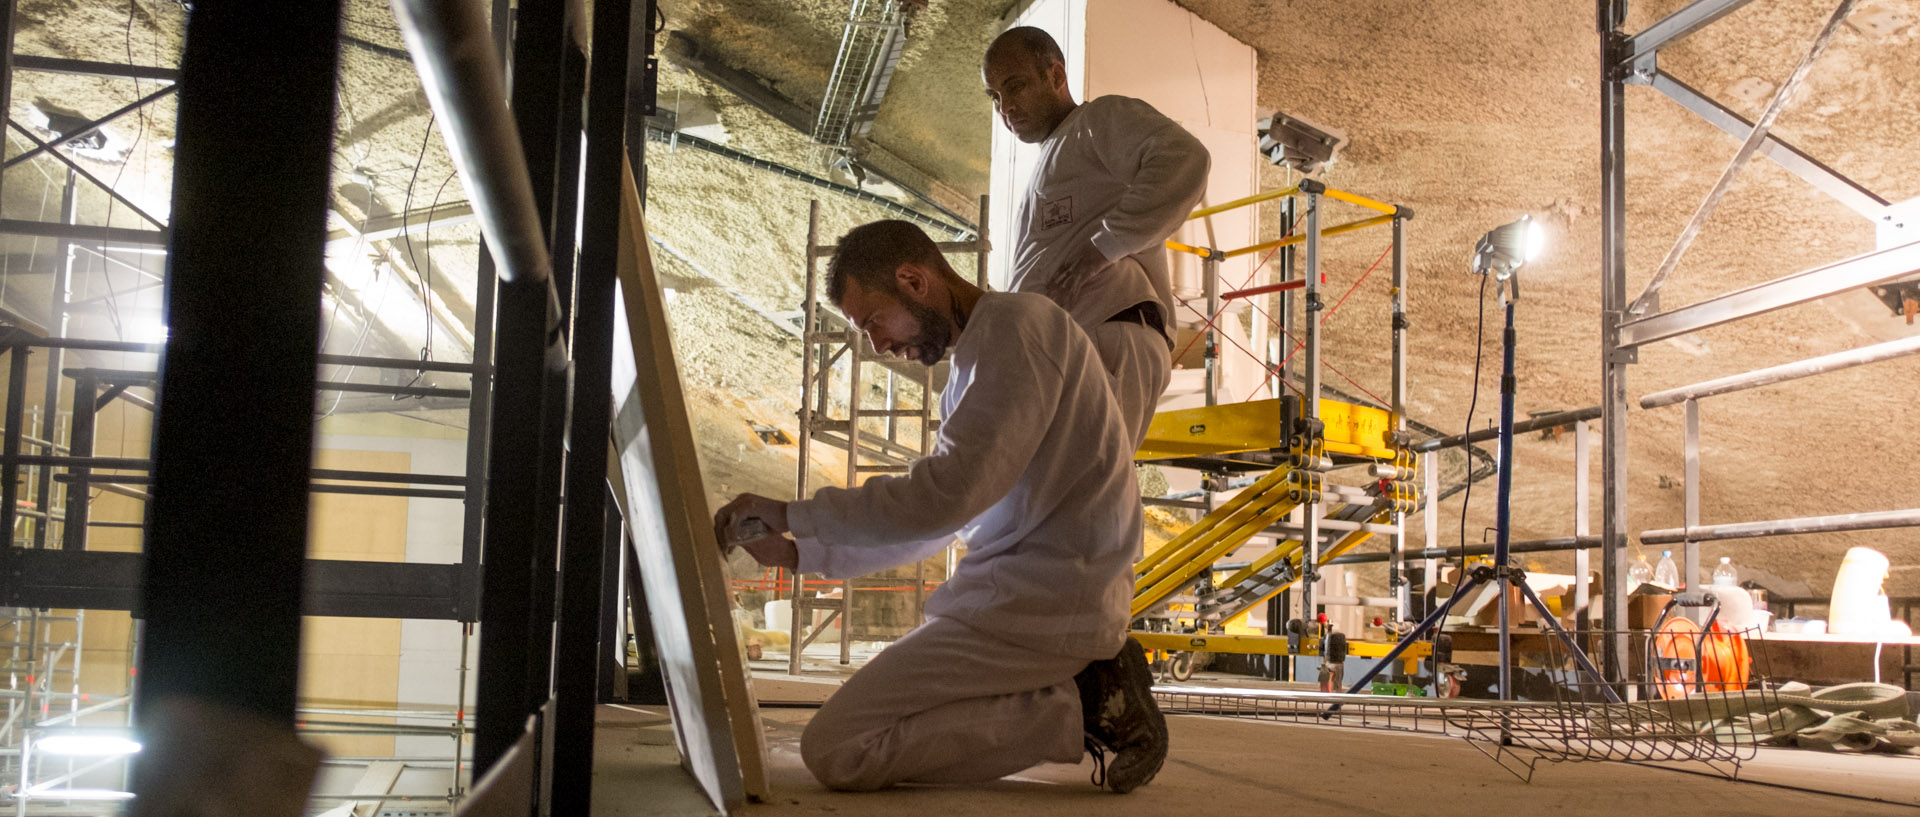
x=664 y=502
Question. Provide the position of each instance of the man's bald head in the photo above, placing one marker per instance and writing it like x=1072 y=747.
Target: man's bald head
x=1031 y=43
x=1026 y=77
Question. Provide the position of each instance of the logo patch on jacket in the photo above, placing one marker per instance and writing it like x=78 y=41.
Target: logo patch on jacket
x=1055 y=212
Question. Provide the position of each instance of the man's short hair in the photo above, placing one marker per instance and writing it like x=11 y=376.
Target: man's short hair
x=1033 y=42
x=870 y=253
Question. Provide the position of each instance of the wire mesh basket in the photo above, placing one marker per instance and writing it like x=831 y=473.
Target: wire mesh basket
x=1702 y=695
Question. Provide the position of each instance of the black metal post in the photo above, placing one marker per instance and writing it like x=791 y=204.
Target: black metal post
x=479 y=422
x=227 y=526
x=1613 y=359
x=79 y=444
x=643 y=70
x=7 y=8
x=521 y=523
x=613 y=649
x=10 y=471
x=586 y=517
x=566 y=177
x=57 y=326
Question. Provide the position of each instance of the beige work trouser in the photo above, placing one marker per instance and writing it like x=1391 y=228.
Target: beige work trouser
x=1138 y=366
x=946 y=704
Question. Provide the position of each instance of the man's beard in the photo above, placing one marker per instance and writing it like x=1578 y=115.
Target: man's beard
x=936 y=332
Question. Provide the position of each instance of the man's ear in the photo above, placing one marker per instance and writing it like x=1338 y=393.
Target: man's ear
x=1057 y=75
x=913 y=279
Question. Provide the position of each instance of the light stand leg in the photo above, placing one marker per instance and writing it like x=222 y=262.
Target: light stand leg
x=1431 y=622
x=1573 y=647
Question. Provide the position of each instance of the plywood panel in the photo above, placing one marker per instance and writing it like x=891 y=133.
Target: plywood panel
x=665 y=506
x=355 y=527
x=354 y=659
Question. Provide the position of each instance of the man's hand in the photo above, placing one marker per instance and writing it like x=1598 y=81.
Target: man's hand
x=1080 y=270
x=767 y=541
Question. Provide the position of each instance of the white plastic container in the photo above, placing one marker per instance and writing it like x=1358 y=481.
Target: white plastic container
x=1859 y=605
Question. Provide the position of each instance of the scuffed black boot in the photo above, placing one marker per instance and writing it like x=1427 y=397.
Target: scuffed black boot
x=1116 y=702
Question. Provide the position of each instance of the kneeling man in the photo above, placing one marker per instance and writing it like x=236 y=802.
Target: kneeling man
x=1024 y=657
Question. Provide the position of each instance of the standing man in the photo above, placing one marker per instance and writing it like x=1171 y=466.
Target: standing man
x=1015 y=665
x=1115 y=179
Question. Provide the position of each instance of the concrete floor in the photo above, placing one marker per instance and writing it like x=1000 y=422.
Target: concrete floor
x=1238 y=764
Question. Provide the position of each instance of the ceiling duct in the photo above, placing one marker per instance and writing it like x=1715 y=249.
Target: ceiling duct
x=870 y=48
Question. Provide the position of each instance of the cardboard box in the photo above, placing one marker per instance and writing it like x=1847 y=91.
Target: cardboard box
x=1643 y=609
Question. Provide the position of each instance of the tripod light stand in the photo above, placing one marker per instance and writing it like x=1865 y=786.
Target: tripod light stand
x=1501 y=253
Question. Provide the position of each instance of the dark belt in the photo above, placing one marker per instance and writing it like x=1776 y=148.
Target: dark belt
x=1145 y=313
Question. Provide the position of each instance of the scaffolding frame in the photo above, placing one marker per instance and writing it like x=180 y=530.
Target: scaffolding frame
x=828 y=339
x=1293 y=502
x=1627 y=324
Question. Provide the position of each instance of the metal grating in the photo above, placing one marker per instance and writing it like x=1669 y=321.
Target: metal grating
x=875 y=36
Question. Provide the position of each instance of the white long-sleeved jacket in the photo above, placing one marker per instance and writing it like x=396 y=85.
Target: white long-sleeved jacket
x=1031 y=464
x=1122 y=175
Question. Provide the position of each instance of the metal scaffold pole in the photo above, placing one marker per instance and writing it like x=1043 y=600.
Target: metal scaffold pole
x=1613 y=359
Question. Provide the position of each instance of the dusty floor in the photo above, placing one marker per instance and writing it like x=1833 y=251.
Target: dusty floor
x=1246 y=765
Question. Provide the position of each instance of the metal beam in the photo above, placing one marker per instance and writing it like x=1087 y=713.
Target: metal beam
x=1693 y=17
x=1752 y=142
x=59 y=65
x=1874 y=520
x=1823 y=178
x=83 y=232
x=107 y=580
x=1561 y=418
x=97 y=123
x=397 y=225
x=1530 y=546
x=1819 y=282
x=54 y=151
x=1785 y=372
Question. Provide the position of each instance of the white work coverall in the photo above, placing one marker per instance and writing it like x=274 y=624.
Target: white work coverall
x=1032 y=470
x=1120 y=174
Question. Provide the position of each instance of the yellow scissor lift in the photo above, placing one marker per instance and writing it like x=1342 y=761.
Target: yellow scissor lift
x=1295 y=441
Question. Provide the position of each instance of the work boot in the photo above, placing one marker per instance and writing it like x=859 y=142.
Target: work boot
x=1118 y=713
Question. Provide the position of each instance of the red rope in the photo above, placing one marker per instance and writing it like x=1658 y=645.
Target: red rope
x=1243 y=285
x=1299 y=344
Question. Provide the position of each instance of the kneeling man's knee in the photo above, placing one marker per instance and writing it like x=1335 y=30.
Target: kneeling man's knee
x=838 y=760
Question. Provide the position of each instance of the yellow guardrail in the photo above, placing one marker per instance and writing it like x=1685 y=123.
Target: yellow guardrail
x=1388 y=212
x=1242 y=202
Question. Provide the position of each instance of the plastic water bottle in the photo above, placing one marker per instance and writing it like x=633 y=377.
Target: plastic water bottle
x=1639 y=573
x=1723 y=575
x=1666 y=574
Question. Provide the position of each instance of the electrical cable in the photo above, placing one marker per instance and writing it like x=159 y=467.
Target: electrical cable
x=426 y=351
x=1479 y=346
x=426 y=276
